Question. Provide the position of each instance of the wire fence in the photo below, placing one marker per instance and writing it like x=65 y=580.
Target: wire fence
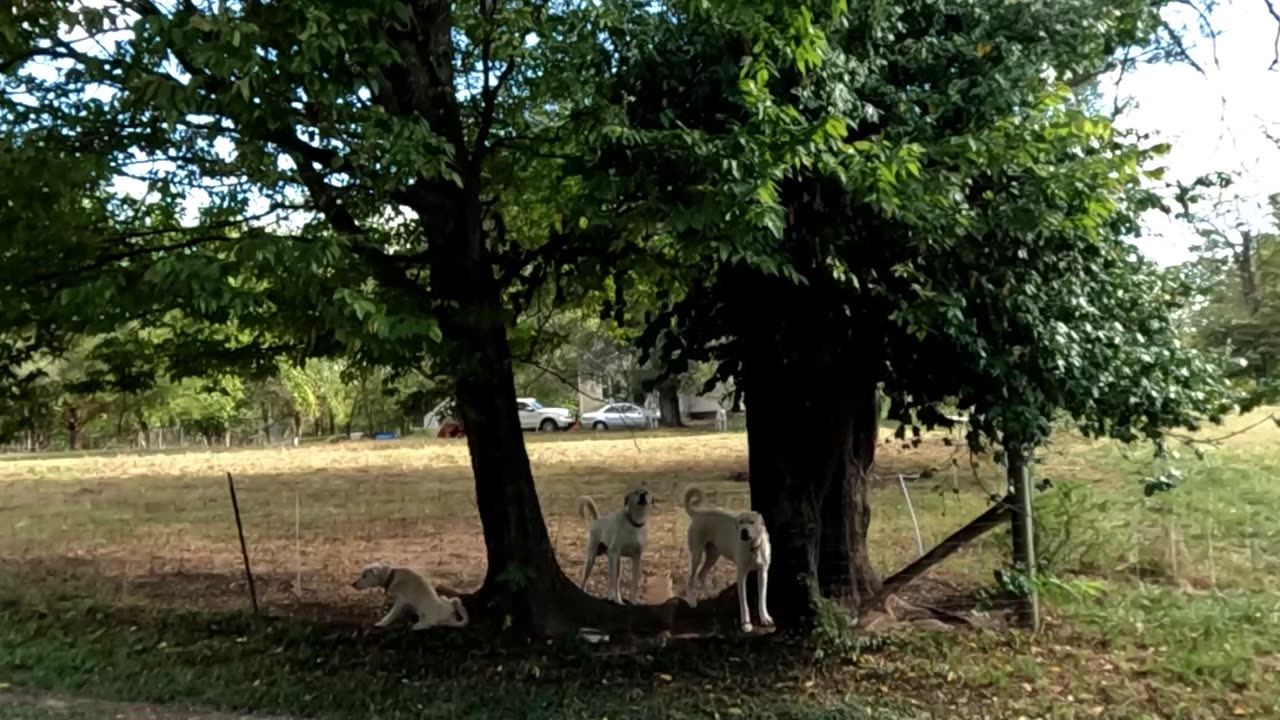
x=158 y=527
x=277 y=432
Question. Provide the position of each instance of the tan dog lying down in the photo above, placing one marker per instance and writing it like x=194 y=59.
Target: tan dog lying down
x=411 y=593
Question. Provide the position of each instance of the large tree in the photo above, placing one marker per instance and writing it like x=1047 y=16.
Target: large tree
x=397 y=182
x=943 y=157
x=358 y=172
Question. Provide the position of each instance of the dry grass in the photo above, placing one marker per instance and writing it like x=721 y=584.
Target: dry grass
x=159 y=526
x=1181 y=622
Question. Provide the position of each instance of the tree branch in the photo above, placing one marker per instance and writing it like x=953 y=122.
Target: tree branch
x=108 y=259
x=1275 y=44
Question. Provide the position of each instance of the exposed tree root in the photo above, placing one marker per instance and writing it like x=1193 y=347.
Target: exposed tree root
x=563 y=609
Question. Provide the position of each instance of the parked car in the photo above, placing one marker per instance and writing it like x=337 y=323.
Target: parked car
x=620 y=415
x=533 y=416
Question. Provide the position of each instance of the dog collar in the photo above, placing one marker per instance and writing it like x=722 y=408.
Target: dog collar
x=391 y=576
x=633 y=522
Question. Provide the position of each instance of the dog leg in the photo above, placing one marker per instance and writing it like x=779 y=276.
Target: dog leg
x=590 y=563
x=637 y=570
x=713 y=555
x=742 y=601
x=615 y=570
x=691 y=588
x=762 y=586
x=396 y=610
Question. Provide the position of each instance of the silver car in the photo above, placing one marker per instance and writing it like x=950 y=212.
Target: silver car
x=620 y=415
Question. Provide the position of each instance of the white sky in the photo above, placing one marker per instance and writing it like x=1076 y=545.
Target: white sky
x=1213 y=121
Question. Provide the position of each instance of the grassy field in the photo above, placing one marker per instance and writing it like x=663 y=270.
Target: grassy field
x=121 y=579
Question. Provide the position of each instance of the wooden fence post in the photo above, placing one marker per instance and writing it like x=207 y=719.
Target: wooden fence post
x=244 y=549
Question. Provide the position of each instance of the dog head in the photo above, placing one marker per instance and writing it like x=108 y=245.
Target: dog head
x=750 y=527
x=636 y=503
x=373 y=575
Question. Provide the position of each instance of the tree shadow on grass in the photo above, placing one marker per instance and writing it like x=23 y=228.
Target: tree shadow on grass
x=308 y=668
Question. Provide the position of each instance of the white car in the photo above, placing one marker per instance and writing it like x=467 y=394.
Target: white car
x=544 y=419
x=620 y=415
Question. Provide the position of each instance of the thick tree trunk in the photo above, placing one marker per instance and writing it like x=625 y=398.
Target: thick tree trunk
x=845 y=573
x=669 y=404
x=521 y=561
x=523 y=582
x=800 y=434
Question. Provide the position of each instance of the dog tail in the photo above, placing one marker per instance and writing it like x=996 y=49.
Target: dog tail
x=461 y=618
x=692 y=499
x=587 y=509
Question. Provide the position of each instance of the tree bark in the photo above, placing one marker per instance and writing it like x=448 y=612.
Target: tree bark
x=669 y=404
x=845 y=573
x=800 y=435
x=521 y=560
x=523 y=581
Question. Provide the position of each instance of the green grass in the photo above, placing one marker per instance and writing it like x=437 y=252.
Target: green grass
x=1165 y=606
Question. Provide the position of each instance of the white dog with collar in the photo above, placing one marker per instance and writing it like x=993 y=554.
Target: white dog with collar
x=617 y=535
x=740 y=536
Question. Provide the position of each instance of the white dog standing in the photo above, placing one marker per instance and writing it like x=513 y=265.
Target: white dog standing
x=410 y=592
x=740 y=536
x=722 y=420
x=617 y=535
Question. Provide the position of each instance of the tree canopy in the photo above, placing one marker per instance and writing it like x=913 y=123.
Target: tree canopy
x=826 y=201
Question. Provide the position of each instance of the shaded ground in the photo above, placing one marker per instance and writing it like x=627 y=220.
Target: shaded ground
x=120 y=578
